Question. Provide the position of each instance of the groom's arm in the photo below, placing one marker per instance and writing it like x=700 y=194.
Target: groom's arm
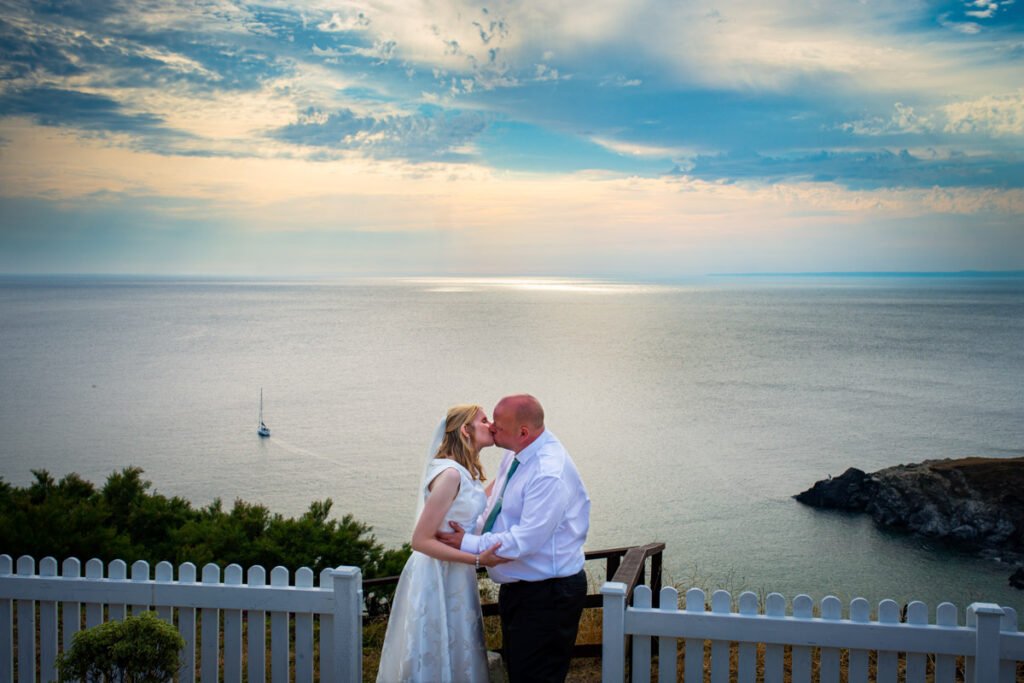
x=544 y=505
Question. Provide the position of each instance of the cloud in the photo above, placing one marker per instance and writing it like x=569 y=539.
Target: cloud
x=748 y=93
x=865 y=169
x=300 y=208
x=545 y=73
x=67 y=52
x=430 y=134
x=985 y=9
x=903 y=120
x=996 y=115
x=53 y=107
x=621 y=82
x=966 y=27
x=644 y=150
x=481 y=197
x=355 y=21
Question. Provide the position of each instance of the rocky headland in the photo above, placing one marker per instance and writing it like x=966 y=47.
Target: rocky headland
x=976 y=504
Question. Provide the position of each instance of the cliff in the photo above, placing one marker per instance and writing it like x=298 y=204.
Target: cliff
x=973 y=503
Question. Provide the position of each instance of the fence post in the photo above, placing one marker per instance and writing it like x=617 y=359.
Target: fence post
x=232 y=653
x=94 y=610
x=279 y=632
x=326 y=630
x=256 y=620
x=945 y=665
x=187 y=628
x=209 y=620
x=117 y=571
x=721 y=603
x=48 y=627
x=800 y=655
x=6 y=625
x=71 y=612
x=774 y=654
x=140 y=573
x=693 y=648
x=304 y=631
x=613 y=636
x=746 y=666
x=1008 y=667
x=668 y=648
x=986 y=654
x=26 y=627
x=860 y=613
x=640 y=662
x=348 y=625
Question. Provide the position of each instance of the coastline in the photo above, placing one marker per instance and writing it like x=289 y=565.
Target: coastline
x=972 y=504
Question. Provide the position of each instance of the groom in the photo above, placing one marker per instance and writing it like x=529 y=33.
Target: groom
x=539 y=511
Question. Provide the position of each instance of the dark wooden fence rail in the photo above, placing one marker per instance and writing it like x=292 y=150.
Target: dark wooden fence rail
x=627 y=565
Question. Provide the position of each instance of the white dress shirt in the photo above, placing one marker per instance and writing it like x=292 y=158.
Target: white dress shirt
x=544 y=517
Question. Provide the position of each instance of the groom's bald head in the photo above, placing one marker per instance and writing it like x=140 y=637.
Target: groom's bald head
x=525 y=409
x=518 y=420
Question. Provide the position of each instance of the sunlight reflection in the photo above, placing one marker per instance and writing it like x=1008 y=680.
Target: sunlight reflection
x=537 y=284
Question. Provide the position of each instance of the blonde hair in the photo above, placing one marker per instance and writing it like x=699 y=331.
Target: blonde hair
x=458 y=446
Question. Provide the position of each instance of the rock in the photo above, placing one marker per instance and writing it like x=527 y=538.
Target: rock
x=973 y=503
x=851 y=490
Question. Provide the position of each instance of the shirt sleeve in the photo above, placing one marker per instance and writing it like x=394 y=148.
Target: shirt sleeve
x=470 y=544
x=543 y=508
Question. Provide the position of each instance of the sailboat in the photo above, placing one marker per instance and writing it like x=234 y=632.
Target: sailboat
x=263 y=430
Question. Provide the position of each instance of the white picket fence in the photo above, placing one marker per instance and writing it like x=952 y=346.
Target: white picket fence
x=988 y=640
x=337 y=603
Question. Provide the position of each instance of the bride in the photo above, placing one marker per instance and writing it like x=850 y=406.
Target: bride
x=435 y=632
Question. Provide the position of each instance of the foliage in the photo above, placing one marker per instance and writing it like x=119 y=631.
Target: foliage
x=126 y=520
x=139 y=649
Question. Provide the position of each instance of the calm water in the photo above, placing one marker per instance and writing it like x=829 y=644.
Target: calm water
x=693 y=411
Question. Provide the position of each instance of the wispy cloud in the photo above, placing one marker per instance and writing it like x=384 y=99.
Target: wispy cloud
x=353 y=21
x=903 y=120
x=429 y=134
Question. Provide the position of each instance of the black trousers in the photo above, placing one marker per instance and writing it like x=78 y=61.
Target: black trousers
x=539 y=621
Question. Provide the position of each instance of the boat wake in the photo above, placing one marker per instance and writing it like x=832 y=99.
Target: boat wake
x=298 y=450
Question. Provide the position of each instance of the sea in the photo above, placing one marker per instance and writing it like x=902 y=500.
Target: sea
x=694 y=410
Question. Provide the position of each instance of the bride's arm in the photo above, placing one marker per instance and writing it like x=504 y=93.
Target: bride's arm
x=443 y=490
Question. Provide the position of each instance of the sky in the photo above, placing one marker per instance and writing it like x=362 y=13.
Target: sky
x=609 y=139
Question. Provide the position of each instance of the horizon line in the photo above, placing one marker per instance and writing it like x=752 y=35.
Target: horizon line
x=397 y=276
x=879 y=273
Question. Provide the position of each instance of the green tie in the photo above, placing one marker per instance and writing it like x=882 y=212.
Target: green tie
x=497 y=506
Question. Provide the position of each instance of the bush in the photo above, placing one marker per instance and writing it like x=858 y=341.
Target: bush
x=126 y=520
x=136 y=650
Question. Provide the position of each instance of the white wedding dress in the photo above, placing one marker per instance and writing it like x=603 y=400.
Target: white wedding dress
x=435 y=632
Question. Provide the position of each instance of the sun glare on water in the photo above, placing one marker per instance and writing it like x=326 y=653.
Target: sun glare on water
x=575 y=285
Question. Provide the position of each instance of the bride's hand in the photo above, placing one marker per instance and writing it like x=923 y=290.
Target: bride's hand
x=490 y=557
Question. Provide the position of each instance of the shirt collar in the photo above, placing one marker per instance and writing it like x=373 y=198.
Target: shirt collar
x=531 y=450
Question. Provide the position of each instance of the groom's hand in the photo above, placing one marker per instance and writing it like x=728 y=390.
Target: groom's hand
x=453 y=538
x=491 y=558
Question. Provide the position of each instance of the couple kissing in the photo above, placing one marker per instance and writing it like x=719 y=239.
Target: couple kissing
x=527 y=527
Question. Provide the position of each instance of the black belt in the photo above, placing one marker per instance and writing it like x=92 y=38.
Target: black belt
x=541 y=582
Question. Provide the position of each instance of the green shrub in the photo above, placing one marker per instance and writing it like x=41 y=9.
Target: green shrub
x=139 y=649
x=125 y=519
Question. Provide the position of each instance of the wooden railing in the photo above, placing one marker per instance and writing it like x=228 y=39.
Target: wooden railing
x=626 y=565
